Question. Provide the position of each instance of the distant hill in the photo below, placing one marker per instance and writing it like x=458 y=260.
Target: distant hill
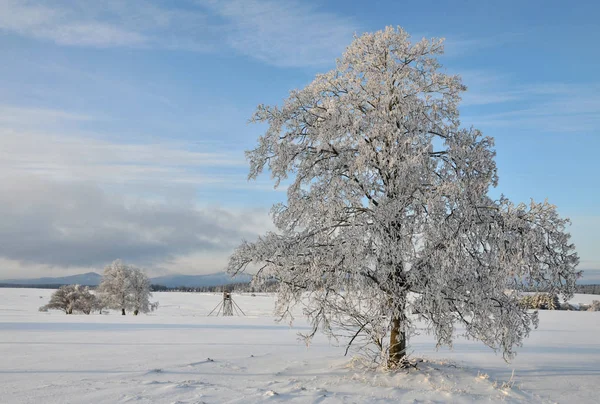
x=590 y=277
x=87 y=279
x=170 y=281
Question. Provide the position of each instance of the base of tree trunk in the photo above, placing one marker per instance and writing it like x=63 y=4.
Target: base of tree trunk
x=406 y=364
x=403 y=363
x=397 y=353
x=123 y=312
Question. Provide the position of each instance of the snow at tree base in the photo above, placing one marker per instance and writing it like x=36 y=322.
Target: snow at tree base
x=388 y=218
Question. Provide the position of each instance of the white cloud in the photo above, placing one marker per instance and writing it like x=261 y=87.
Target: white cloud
x=93 y=34
x=456 y=45
x=19 y=116
x=289 y=33
x=81 y=158
x=48 y=143
x=543 y=107
x=63 y=25
x=486 y=87
x=562 y=114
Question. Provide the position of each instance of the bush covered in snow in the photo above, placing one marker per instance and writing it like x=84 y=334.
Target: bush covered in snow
x=568 y=307
x=70 y=298
x=541 y=301
x=595 y=306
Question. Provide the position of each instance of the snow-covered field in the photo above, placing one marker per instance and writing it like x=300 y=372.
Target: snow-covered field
x=178 y=354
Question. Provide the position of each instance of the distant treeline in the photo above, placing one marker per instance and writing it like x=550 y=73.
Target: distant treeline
x=220 y=288
x=233 y=287
x=153 y=288
x=583 y=289
x=588 y=289
x=241 y=287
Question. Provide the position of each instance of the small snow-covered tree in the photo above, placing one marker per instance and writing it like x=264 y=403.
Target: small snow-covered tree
x=86 y=301
x=125 y=287
x=116 y=286
x=140 y=292
x=388 y=218
x=101 y=301
x=67 y=298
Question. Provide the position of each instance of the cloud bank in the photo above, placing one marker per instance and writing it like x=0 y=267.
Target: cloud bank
x=72 y=202
x=68 y=225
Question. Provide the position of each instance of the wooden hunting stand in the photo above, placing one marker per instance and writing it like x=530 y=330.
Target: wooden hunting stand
x=227 y=306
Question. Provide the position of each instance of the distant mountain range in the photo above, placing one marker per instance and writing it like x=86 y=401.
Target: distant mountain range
x=170 y=281
x=88 y=279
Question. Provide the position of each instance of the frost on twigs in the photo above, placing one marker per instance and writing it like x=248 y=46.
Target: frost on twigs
x=388 y=219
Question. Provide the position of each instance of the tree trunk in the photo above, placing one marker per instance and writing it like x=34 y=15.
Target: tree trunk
x=123 y=312
x=135 y=312
x=397 y=354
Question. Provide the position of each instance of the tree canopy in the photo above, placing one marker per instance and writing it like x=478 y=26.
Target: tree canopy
x=388 y=218
x=125 y=287
x=69 y=298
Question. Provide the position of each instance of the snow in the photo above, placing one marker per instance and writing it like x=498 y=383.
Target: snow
x=179 y=355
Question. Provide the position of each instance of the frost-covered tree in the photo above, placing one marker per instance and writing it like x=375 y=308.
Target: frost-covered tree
x=126 y=288
x=140 y=292
x=101 y=301
x=86 y=301
x=70 y=298
x=116 y=287
x=388 y=218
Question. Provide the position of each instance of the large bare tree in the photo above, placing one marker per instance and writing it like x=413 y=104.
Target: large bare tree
x=388 y=218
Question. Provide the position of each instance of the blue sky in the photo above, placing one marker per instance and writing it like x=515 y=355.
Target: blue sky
x=123 y=124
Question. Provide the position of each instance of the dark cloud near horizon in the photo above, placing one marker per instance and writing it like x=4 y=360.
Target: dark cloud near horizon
x=75 y=224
